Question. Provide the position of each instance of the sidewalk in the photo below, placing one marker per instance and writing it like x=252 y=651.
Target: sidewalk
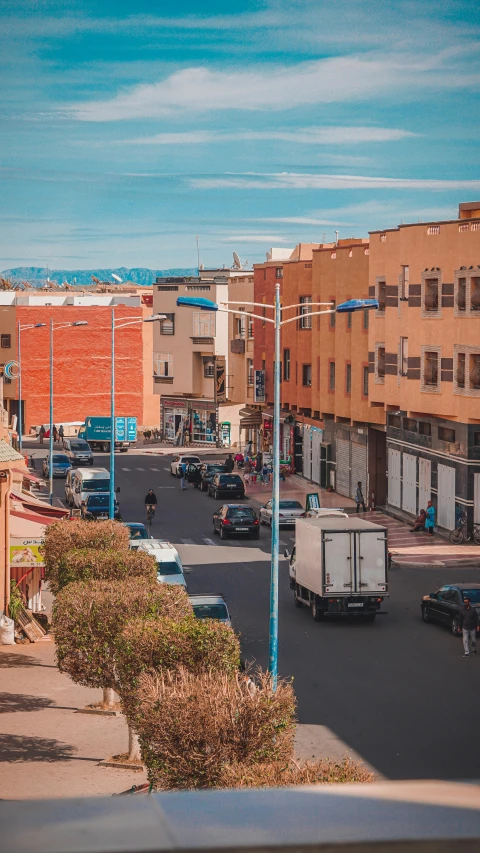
x=297 y=488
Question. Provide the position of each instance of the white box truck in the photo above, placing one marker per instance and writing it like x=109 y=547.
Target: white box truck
x=338 y=566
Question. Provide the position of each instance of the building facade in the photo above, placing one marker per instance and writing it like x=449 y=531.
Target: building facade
x=424 y=362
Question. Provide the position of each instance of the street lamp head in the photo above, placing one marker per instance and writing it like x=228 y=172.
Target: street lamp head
x=356 y=305
x=80 y=323
x=39 y=325
x=197 y=302
x=154 y=318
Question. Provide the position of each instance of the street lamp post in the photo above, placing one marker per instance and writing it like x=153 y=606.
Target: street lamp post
x=345 y=307
x=21 y=329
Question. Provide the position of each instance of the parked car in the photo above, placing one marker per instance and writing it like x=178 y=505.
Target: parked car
x=78 y=451
x=60 y=465
x=445 y=604
x=208 y=472
x=226 y=484
x=138 y=533
x=235 y=518
x=211 y=607
x=169 y=564
x=288 y=511
x=97 y=506
x=187 y=459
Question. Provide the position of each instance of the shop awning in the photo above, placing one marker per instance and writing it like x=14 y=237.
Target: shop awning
x=267 y=414
x=250 y=418
x=27 y=475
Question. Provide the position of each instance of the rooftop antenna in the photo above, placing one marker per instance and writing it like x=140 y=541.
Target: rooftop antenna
x=198 y=256
x=336 y=238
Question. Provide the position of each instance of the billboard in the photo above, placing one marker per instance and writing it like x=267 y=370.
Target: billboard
x=26 y=553
x=220 y=380
x=259 y=386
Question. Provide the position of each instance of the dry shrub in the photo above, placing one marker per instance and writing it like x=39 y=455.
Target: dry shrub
x=66 y=535
x=278 y=774
x=194 y=726
x=88 y=616
x=166 y=644
x=85 y=564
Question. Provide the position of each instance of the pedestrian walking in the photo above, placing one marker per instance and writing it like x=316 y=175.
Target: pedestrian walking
x=55 y=433
x=41 y=434
x=229 y=464
x=247 y=470
x=359 y=499
x=259 y=463
x=430 y=522
x=61 y=432
x=265 y=474
x=182 y=468
x=470 y=627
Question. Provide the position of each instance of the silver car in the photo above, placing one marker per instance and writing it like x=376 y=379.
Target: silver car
x=211 y=606
x=78 y=451
x=288 y=511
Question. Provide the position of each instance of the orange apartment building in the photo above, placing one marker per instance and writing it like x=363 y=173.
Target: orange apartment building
x=339 y=438
x=424 y=362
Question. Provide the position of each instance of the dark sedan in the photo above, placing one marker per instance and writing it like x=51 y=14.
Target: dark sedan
x=235 y=518
x=226 y=484
x=208 y=472
x=445 y=604
x=97 y=506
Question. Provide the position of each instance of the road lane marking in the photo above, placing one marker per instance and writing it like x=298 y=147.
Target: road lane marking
x=187 y=541
x=125 y=469
x=209 y=541
x=155 y=469
x=139 y=469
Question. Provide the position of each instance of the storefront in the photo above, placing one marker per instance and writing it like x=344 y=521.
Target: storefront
x=185 y=421
x=287 y=435
x=250 y=426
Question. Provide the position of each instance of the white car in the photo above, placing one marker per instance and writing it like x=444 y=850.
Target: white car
x=288 y=511
x=169 y=564
x=210 y=607
x=188 y=459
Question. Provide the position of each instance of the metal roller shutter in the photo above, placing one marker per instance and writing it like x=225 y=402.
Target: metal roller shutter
x=446 y=496
x=394 y=481
x=343 y=467
x=317 y=435
x=359 y=469
x=424 y=482
x=409 y=492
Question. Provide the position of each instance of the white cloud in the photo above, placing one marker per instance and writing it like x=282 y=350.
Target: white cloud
x=335 y=135
x=289 y=180
x=277 y=88
x=251 y=238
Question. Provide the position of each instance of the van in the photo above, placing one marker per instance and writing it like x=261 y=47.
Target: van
x=87 y=481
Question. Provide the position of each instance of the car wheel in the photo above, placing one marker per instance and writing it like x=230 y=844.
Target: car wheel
x=316 y=612
x=215 y=529
x=223 y=535
x=425 y=615
x=456 y=626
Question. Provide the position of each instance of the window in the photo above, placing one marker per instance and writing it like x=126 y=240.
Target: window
x=348 y=378
x=197 y=287
x=366 y=318
x=380 y=363
x=431 y=294
x=410 y=424
x=474 y=373
x=167 y=327
x=424 y=428
x=466 y=370
x=165 y=287
x=307 y=375
x=163 y=364
x=461 y=294
x=383 y=238
x=430 y=360
x=305 y=308
x=6 y=341
x=403 y=365
x=467 y=292
x=460 y=373
x=278 y=272
x=433 y=229
x=333 y=315
x=240 y=324
x=286 y=365
x=208 y=369
x=263 y=364
x=404 y=282
x=203 y=324
x=250 y=322
x=395 y=421
x=250 y=373
x=476 y=439
x=331 y=376
x=365 y=381
x=264 y=314
x=475 y=293
x=445 y=434
x=381 y=293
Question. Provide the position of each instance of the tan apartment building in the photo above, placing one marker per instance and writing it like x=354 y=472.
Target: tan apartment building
x=339 y=438
x=424 y=362
x=203 y=361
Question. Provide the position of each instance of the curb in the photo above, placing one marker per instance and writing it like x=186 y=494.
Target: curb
x=437 y=564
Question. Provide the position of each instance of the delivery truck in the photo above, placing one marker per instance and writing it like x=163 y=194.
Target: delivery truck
x=338 y=567
x=97 y=432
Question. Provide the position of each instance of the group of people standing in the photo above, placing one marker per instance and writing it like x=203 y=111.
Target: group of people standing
x=251 y=465
x=58 y=434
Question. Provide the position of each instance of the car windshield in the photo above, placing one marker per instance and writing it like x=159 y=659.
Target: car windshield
x=137 y=532
x=214 y=469
x=472 y=594
x=210 y=611
x=96 y=485
x=231 y=478
x=290 y=505
x=240 y=512
x=59 y=458
x=79 y=445
x=167 y=567
x=98 y=501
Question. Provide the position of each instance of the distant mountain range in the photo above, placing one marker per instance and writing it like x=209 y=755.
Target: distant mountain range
x=37 y=276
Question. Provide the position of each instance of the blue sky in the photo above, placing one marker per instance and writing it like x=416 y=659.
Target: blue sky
x=128 y=128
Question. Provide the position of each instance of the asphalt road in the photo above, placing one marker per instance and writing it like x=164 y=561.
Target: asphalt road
x=397 y=691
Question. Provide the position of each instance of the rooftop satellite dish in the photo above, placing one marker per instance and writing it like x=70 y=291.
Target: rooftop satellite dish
x=116 y=277
x=237 y=264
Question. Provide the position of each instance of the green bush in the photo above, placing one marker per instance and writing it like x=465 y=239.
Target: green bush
x=84 y=564
x=69 y=534
x=165 y=644
x=88 y=617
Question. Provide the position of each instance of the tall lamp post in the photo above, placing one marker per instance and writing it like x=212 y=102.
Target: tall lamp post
x=21 y=329
x=344 y=308
x=122 y=323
